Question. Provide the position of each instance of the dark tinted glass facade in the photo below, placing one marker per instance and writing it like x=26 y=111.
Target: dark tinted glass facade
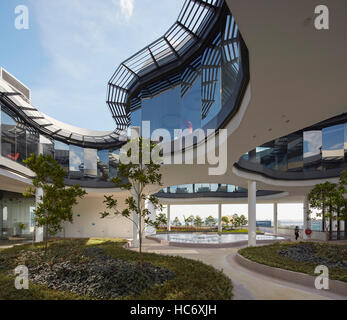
x=193 y=98
x=18 y=140
x=318 y=151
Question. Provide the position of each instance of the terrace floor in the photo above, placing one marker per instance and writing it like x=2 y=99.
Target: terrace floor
x=248 y=285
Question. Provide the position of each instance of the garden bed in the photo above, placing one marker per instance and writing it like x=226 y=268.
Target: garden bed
x=302 y=257
x=103 y=269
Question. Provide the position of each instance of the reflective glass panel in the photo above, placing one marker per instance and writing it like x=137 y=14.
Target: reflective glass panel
x=90 y=163
x=103 y=165
x=313 y=150
x=61 y=154
x=76 y=162
x=8 y=137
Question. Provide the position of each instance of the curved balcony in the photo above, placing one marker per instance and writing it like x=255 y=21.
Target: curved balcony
x=209 y=190
x=14 y=95
x=317 y=152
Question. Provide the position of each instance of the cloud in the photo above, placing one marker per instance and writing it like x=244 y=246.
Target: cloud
x=83 y=42
x=127 y=8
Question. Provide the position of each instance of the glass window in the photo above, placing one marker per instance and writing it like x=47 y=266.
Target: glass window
x=191 y=106
x=211 y=94
x=76 y=162
x=295 y=152
x=61 y=154
x=164 y=110
x=103 y=165
x=33 y=140
x=114 y=162
x=90 y=163
x=280 y=152
x=21 y=144
x=46 y=146
x=15 y=212
x=333 y=146
x=136 y=118
x=8 y=137
x=313 y=150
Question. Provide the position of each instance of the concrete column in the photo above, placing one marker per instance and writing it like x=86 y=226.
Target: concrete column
x=220 y=217
x=38 y=230
x=252 y=213
x=275 y=218
x=168 y=218
x=135 y=224
x=150 y=230
x=307 y=224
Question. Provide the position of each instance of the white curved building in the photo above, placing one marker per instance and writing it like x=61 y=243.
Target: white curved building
x=281 y=97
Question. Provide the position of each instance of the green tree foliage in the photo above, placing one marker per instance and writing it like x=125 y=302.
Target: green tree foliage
x=55 y=205
x=329 y=199
x=226 y=221
x=177 y=222
x=188 y=221
x=243 y=220
x=236 y=221
x=161 y=220
x=198 y=222
x=210 y=221
x=135 y=176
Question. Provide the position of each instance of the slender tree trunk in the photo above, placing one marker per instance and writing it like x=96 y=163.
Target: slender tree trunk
x=323 y=218
x=46 y=237
x=330 y=224
x=338 y=225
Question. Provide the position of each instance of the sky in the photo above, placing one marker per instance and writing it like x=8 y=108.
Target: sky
x=72 y=48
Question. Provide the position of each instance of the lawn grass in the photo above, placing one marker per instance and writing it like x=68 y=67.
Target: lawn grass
x=193 y=281
x=268 y=255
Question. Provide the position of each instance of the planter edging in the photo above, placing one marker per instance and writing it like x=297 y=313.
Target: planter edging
x=335 y=286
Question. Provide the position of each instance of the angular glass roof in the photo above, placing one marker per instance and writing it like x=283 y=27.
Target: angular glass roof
x=193 y=23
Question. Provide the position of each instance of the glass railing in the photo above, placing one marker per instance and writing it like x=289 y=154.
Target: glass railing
x=317 y=151
x=203 y=188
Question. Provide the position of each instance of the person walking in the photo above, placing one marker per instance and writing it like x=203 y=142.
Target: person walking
x=296 y=232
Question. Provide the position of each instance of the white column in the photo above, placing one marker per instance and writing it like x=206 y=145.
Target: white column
x=275 y=219
x=150 y=207
x=135 y=225
x=306 y=224
x=38 y=230
x=252 y=213
x=220 y=217
x=168 y=218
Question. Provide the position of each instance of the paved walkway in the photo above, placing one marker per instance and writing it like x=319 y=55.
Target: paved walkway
x=248 y=285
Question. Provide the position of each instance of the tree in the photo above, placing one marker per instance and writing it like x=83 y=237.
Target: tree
x=226 y=221
x=188 y=221
x=210 y=221
x=198 y=221
x=322 y=197
x=236 y=221
x=329 y=199
x=55 y=205
x=243 y=220
x=135 y=175
x=177 y=222
x=161 y=220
